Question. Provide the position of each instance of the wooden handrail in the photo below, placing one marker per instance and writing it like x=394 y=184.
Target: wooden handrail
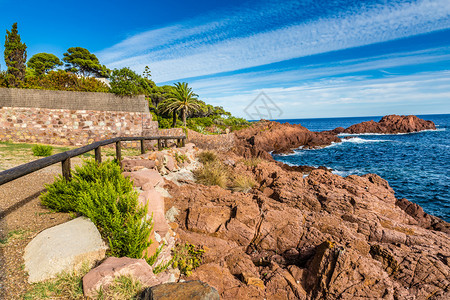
x=64 y=157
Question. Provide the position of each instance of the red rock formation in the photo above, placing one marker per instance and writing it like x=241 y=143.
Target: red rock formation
x=266 y=136
x=389 y=124
x=316 y=236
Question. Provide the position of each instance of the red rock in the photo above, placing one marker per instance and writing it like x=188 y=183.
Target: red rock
x=267 y=136
x=390 y=124
x=314 y=237
x=147 y=179
x=113 y=267
x=130 y=165
x=155 y=207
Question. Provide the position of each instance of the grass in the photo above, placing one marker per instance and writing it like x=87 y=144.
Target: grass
x=18 y=233
x=243 y=183
x=67 y=285
x=207 y=157
x=122 y=288
x=212 y=173
x=252 y=162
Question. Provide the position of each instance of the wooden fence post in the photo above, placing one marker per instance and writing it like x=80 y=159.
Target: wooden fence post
x=66 y=169
x=142 y=147
x=159 y=145
x=118 y=152
x=98 y=154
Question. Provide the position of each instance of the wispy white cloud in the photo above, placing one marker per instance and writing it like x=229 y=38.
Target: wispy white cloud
x=195 y=49
x=249 y=80
x=352 y=96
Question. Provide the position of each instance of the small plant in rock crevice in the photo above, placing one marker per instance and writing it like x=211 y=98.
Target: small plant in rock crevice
x=187 y=257
x=243 y=183
x=207 y=157
x=212 y=173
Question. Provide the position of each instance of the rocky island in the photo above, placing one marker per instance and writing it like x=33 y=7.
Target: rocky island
x=390 y=124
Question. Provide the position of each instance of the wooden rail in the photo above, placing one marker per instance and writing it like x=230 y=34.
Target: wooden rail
x=64 y=157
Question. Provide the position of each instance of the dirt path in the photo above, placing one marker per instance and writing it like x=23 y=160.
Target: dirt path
x=21 y=218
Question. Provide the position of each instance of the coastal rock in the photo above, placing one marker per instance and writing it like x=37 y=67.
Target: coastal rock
x=312 y=237
x=63 y=248
x=267 y=136
x=389 y=124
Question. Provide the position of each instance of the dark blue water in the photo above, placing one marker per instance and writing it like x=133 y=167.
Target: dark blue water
x=416 y=165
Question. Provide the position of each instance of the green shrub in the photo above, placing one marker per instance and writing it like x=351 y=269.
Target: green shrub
x=243 y=183
x=101 y=193
x=212 y=173
x=207 y=157
x=42 y=150
x=187 y=257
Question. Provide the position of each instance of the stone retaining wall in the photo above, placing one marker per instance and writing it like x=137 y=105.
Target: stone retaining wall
x=221 y=142
x=71 y=127
x=71 y=118
x=10 y=97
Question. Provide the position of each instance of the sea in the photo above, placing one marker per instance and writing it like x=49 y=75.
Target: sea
x=416 y=165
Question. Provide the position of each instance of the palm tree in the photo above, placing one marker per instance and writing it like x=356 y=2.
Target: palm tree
x=183 y=99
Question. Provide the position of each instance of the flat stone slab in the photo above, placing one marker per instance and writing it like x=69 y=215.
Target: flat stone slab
x=103 y=275
x=63 y=248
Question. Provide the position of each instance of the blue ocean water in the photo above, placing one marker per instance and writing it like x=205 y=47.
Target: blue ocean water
x=416 y=165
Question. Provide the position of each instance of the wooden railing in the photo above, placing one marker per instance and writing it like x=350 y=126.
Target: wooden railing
x=64 y=157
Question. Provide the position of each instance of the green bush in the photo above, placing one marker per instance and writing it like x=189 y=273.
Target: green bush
x=101 y=193
x=42 y=150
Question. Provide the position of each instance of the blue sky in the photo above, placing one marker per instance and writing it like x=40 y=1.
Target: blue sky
x=312 y=58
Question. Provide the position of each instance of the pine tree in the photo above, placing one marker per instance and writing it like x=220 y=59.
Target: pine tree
x=15 y=56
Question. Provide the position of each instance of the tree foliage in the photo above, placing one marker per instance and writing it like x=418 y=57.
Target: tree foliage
x=81 y=61
x=15 y=56
x=43 y=63
x=183 y=99
x=126 y=82
x=64 y=81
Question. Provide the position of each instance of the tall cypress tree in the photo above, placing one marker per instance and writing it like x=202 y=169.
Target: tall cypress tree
x=15 y=56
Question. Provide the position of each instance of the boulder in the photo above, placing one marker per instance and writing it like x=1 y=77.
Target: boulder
x=103 y=275
x=194 y=290
x=63 y=248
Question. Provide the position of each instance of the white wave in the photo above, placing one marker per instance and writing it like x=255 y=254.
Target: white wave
x=355 y=140
x=347 y=173
x=358 y=140
x=369 y=134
